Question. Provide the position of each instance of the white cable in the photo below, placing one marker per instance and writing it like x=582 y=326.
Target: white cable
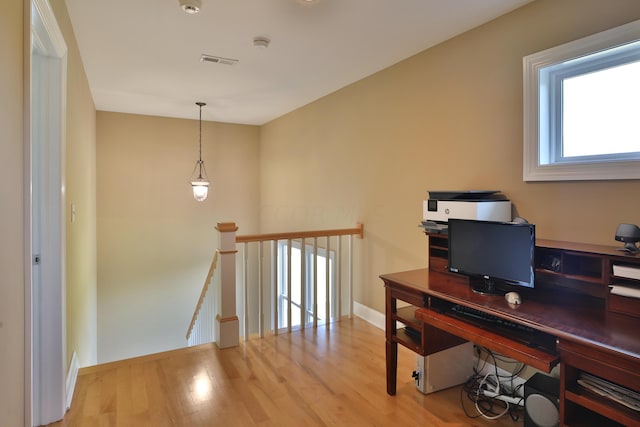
x=495 y=417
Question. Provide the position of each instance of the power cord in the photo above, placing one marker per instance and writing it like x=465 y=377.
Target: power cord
x=497 y=391
x=492 y=392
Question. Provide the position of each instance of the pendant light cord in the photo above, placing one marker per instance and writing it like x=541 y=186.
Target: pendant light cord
x=200 y=163
x=200 y=136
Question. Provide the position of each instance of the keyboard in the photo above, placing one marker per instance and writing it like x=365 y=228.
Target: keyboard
x=515 y=331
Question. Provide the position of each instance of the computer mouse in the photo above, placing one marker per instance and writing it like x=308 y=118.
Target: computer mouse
x=513 y=298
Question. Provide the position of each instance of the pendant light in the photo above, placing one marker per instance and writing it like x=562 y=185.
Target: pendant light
x=200 y=184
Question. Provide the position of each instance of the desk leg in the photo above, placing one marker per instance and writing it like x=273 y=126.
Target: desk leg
x=392 y=367
x=392 y=345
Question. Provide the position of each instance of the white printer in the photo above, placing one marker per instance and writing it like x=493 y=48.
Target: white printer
x=484 y=205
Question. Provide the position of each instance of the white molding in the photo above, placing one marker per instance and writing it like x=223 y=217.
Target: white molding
x=370 y=315
x=72 y=377
x=57 y=43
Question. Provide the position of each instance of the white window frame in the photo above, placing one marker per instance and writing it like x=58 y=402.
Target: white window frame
x=540 y=103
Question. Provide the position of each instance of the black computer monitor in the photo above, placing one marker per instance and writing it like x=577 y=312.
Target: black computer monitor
x=494 y=255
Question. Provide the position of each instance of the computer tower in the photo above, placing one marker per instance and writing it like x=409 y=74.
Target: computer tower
x=541 y=401
x=444 y=369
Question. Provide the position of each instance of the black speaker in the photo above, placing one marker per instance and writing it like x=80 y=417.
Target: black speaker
x=541 y=403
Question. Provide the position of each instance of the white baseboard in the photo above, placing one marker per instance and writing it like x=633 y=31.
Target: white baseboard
x=72 y=376
x=372 y=316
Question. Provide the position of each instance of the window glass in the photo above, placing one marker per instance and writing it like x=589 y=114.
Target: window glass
x=601 y=112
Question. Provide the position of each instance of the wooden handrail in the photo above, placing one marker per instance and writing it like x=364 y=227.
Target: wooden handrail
x=203 y=293
x=358 y=230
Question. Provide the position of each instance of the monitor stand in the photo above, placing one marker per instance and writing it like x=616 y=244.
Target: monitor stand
x=485 y=287
x=629 y=247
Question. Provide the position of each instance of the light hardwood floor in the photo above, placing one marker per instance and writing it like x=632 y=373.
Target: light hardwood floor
x=317 y=377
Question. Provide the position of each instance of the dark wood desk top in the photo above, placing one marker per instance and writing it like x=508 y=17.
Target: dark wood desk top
x=583 y=321
x=613 y=251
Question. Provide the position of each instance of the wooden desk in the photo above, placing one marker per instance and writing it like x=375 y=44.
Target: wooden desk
x=588 y=339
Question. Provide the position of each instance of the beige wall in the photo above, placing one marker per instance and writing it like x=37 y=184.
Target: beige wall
x=155 y=242
x=81 y=273
x=448 y=118
x=11 y=215
x=81 y=285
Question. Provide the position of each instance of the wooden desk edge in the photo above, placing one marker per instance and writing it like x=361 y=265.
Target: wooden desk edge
x=537 y=358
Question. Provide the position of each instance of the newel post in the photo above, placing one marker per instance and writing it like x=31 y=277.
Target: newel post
x=227 y=324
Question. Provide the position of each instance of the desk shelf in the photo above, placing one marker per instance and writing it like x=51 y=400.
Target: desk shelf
x=438 y=252
x=408 y=341
x=431 y=339
x=406 y=316
x=577 y=400
x=610 y=413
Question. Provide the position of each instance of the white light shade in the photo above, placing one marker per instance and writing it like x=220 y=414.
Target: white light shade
x=190 y=6
x=200 y=189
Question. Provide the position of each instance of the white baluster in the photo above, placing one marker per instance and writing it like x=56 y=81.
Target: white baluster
x=327 y=282
x=315 y=282
x=274 y=284
x=350 y=276
x=289 y=285
x=338 y=274
x=303 y=284
x=260 y=293
x=245 y=289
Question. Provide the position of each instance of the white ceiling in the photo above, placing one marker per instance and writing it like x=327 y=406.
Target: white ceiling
x=143 y=56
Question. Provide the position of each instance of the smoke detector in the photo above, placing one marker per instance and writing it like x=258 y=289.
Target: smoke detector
x=190 y=6
x=261 y=42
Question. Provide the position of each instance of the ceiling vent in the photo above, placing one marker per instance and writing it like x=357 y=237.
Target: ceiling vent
x=217 y=59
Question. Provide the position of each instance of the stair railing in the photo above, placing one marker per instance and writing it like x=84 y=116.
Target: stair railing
x=201 y=328
x=214 y=318
x=274 y=286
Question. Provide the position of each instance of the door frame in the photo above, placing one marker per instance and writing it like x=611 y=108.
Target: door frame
x=45 y=233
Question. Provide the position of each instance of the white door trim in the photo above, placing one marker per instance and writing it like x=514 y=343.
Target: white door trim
x=45 y=129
